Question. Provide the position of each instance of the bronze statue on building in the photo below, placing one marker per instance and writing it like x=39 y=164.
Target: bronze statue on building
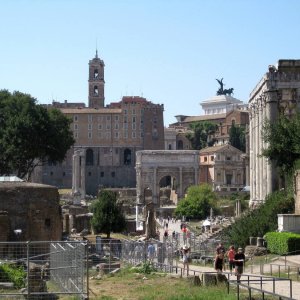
x=221 y=90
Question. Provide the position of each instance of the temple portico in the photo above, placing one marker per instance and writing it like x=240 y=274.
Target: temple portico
x=278 y=92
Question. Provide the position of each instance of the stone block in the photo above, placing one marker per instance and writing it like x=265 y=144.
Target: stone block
x=209 y=279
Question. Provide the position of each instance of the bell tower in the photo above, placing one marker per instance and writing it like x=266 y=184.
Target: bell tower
x=96 y=82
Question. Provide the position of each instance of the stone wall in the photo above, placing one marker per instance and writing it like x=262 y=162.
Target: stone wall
x=33 y=208
x=297 y=192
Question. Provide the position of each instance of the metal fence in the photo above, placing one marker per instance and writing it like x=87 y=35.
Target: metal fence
x=43 y=270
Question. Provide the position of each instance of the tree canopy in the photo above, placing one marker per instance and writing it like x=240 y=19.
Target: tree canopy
x=237 y=137
x=30 y=135
x=283 y=142
x=202 y=131
x=198 y=202
x=107 y=217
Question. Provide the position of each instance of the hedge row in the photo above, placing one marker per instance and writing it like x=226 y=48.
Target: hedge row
x=282 y=242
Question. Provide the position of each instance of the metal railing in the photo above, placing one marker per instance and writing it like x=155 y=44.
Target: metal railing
x=44 y=269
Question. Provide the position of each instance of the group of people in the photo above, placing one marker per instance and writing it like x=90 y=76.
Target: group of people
x=236 y=260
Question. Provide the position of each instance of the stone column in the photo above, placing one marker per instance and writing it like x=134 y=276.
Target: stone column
x=256 y=153
x=155 y=194
x=180 y=183
x=139 y=199
x=251 y=160
x=82 y=173
x=75 y=173
x=260 y=160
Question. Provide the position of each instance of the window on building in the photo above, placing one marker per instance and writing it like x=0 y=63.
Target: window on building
x=96 y=91
x=205 y=158
x=99 y=118
x=96 y=73
x=133 y=134
x=75 y=126
x=64 y=174
x=133 y=119
x=90 y=126
x=116 y=125
x=90 y=135
x=133 y=126
x=127 y=157
x=212 y=158
x=116 y=134
x=99 y=126
x=228 y=179
x=101 y=174
x=228 y=157
x=75 y=118
x=133 y=111
x=90 y=118
x=113 y=174
x=107 y=126
x=116 y=118
x=170 y=147
x=48 y=222
x=75 y=135
x=51 y=173
x=90 y=173
x=180 y=145
x=89 y=157
x=107 y=118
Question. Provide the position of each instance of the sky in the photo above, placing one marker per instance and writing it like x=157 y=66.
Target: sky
x=169 y=51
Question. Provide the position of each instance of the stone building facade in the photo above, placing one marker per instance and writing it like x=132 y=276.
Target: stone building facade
x=223 y=167
x=108 y=135
x=278 y=92
x=29 y=212
x=239 y=116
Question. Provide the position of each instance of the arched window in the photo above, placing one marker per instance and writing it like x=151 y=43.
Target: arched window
x=96 y=73
x=127 y=157
x=96 y=92
x=89 y=159
x=180 y=145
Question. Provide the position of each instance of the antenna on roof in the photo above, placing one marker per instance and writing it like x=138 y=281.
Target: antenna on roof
x=96 y=48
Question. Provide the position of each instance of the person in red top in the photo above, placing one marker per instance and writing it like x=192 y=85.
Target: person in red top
x=230 y=254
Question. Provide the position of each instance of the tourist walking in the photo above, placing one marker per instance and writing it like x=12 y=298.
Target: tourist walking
x=151 y=252
x=230 y=255
x=239 y=260
x=185 y=252
x=219 y=258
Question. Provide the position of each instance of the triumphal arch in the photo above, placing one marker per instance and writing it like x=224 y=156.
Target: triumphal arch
x=152 y=166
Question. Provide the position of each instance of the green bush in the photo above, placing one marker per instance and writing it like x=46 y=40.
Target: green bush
x=282 y=242
x=146 y=268
x=12 y=273
x=259 y=221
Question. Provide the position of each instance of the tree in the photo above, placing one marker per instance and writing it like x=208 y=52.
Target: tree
x=283 y=142
x=30 y=135
x=201 y=134
x=237 y=137
x=198 y=202
x=107 y=217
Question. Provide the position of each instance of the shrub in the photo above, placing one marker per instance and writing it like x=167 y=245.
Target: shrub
x=13 y=274
x=282 y=242
x=146 y=268
x=261 y=220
